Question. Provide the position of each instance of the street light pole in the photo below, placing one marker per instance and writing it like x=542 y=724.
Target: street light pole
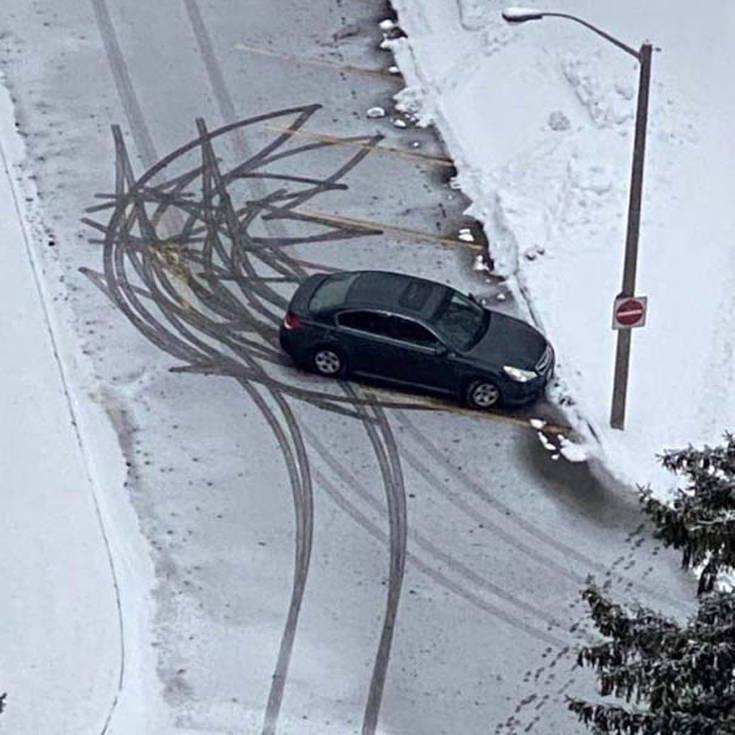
x=643 y=55
x=622 y=353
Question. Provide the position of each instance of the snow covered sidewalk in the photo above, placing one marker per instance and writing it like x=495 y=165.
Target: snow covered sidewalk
x=62 y=638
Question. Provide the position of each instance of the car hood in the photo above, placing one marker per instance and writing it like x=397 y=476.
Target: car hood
x=509 y=341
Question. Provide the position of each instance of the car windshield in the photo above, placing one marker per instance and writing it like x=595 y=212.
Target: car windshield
x=332 y=292
x=460 y=321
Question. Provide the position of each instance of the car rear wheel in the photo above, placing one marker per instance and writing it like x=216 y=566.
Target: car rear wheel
x=328 y=361
x=482 y=394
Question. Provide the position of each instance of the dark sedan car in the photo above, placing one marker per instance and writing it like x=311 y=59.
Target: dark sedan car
x=414 y=333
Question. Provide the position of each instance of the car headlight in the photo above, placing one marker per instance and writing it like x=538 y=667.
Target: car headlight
x=520 y=376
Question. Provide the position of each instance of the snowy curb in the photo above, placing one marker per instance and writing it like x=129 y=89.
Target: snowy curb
x=131 y=565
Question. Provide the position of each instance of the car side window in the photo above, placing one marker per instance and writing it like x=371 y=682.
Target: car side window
x=408 y=330
x=366 y=321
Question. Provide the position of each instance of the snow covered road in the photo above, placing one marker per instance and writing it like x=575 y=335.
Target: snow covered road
x=389 y=570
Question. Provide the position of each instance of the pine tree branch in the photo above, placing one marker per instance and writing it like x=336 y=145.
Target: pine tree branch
x=682 y=675
x=623 y=721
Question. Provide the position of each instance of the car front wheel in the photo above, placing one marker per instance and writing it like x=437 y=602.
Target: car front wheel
x=482 y=394
x=328 y=361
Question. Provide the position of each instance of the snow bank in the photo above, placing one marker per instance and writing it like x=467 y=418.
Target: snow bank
x=539 y=120
x=77 y=609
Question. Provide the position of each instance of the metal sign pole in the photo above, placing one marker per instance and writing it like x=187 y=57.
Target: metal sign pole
x=622 y=356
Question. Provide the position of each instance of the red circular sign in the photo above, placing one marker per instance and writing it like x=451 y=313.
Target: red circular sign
x=629 y=312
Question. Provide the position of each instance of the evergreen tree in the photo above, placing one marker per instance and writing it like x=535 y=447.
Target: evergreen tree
x=701 y=520
x=681 y=674
x=674 y=679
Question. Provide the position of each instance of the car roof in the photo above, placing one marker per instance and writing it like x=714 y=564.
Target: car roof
x=395 y=292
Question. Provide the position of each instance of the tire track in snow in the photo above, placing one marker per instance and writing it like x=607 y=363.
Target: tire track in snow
x=386 y=451
x=509 y=515
x=434 y=574
x=301 y=483
x=458 y=567
x=298 y=470
x=298 y=467
x=124 y=84
x=226 y=107
x=296 y=459
x=301 y=486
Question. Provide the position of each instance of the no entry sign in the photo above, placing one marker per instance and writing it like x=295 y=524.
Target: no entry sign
x=629 y=311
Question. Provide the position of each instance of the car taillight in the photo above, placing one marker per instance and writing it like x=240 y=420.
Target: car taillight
x=291 y=321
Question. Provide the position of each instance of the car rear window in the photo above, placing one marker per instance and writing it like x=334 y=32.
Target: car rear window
x=332 y=292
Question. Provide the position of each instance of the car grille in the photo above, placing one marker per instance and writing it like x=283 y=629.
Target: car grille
x=543 y=364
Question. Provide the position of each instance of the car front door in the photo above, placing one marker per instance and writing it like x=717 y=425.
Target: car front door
x=425 y=360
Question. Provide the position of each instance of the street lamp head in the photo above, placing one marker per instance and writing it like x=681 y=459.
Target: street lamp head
x=521 y=15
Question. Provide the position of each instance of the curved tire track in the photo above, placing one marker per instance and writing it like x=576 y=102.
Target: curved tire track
x=456 y=566
x=303 y=499
x=508 y=514
x=386 y=452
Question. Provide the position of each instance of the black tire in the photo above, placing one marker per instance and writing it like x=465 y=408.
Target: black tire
x=482 y=394
x=328 y=361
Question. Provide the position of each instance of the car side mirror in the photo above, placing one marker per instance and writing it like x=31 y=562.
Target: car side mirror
x=472 y=297
x=440 y=350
